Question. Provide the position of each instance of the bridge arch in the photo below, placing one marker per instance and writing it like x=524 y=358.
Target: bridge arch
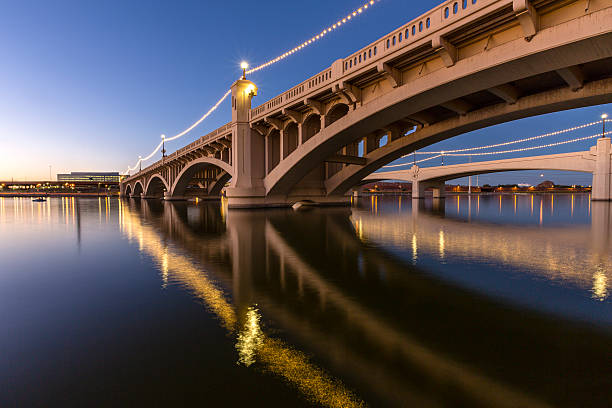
x=156 y=186
x=138 y=189
x=187 y=174
x=546 y=102
x=290 y=138
x=336 y=112
x=128 y=190
x=311 y=126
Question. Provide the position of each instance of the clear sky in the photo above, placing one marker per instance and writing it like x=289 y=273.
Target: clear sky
x=90 y=85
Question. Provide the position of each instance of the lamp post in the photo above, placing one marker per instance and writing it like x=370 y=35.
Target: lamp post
x=244 y=65
x=603 y=124
x=163 y=147
x=140 y=163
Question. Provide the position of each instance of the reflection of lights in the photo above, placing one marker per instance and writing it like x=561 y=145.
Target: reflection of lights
x=441 y=244
x=274 y=355
x=250 y=338
x=600 y=285
x=414 y=249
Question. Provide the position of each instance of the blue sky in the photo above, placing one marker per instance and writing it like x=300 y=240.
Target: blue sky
x=91 y=85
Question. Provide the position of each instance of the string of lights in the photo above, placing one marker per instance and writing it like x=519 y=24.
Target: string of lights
x=306 y=43
x=411 y=163
x=450 y=153
x=524 y=149
x=316 y=37
x=556 y=133
x=183 y=133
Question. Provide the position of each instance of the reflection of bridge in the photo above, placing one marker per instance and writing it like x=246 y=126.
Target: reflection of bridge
x=596 y=161
x=462 y=66
x=263 y=258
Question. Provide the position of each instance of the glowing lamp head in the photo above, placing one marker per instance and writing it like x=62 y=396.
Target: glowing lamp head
x=163 y=137
x=604 y=116
x=251 y=90
x=244 y=65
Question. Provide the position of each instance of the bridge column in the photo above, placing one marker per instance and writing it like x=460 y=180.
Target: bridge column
x=121 y=189
x=419 y=187
x=248 y=151
x=602 y=177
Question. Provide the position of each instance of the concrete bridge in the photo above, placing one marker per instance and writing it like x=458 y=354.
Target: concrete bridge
x=462 y=66
x=596 y=161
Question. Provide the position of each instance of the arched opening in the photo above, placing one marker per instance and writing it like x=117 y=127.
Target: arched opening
x=336 y=113
x=311 y=127
x=138 y=190
x=156 y=187
x=222 y=179
x=273 y=149
x=128 y=190
x=290 y=141
x=200 y=179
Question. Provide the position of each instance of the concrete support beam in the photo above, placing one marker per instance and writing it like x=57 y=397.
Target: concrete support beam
x=260 y=128
x=602 y=177
x=573 y=76
x=225 y=143
x=446 y=50
x=315 y=106
x=507 y=92
x=391 y=74
x=275 y=123
x=293 y=115
x=527 y=17
x=419 y=187
x=352 y=91
x=458 y=106
x=340 y=158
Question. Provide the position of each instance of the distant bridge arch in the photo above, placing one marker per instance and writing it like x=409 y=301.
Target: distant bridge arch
x=212 y=173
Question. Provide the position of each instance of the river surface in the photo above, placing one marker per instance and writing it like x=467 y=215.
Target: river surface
x=488 y=301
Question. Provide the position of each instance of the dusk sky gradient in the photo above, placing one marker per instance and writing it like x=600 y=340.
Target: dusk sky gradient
x=91 y=85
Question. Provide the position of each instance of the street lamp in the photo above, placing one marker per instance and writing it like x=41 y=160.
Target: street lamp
x=244 y=65
x=604 y=116
x=140 y=163
x=163 y=146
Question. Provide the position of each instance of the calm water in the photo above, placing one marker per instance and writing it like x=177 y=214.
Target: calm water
x=500 y=301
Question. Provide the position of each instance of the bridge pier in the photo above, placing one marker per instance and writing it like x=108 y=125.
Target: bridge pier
x=602 y=176
x=168 y=197
x=419 y=187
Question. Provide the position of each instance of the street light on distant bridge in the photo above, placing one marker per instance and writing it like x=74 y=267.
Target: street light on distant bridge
x=163 y=147
x=140 y=163
x=604 y=116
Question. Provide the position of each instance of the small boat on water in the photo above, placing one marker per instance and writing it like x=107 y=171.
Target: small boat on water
x=39 y=199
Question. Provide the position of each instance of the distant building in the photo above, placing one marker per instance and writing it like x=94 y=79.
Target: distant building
x=546 y=184
x=100 y=177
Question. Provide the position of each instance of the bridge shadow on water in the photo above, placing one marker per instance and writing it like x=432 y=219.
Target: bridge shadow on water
x=310 y=297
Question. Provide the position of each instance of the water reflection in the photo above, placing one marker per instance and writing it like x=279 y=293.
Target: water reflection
x=381 y=304
x=389 y=331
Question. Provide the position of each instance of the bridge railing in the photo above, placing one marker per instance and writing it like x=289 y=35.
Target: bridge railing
x=406 y=36
x=190 y=147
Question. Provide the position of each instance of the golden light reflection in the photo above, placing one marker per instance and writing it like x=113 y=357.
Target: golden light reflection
x=572 y=207
x=275 y=356
x=250 y=338
x=541 y=210
x=560 y=256
x=414 y=249
x=600 y=285
x=532 y=204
